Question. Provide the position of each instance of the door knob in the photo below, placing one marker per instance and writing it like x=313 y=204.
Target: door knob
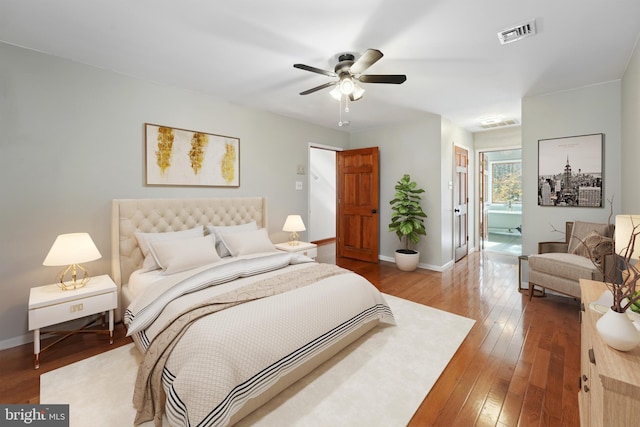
x=374 y=211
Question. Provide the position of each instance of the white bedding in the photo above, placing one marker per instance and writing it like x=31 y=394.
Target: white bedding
x=222 y=346
x=140 y=280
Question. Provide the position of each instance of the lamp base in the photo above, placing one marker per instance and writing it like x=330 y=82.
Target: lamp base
x=74 y=283
x=294 y=239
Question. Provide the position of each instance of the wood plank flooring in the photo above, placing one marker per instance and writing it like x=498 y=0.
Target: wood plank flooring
x=518 y=366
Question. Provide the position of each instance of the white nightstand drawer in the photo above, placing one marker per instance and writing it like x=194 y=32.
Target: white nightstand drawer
x=311 y=253
x=304 y=248
x=70 y=310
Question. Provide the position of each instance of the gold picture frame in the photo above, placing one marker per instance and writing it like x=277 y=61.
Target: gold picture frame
x=182 y=157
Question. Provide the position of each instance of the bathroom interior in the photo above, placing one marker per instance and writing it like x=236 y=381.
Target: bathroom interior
x=502 y=207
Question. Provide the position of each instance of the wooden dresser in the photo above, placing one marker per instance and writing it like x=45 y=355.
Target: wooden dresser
x=610 y=380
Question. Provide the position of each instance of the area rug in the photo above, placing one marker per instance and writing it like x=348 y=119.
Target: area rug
x=379 y=380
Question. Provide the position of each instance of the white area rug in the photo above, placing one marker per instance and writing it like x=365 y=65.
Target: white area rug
x=379 y=380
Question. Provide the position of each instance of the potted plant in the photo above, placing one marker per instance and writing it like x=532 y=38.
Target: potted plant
x=407 y=222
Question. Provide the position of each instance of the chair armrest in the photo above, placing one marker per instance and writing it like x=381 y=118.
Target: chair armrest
x=547 y=247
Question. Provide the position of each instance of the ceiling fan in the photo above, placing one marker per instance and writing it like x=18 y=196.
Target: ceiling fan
x=349 y=72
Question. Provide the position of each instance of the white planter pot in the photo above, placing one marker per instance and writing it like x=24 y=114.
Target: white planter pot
x=407 y=261
x=617 y=330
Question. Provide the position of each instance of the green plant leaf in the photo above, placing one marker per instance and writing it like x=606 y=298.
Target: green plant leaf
x=407 y=214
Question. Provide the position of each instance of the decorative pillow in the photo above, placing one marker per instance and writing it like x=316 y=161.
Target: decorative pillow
x=581 y=230
x=144 y=240
x=248 y=242
x=174 y=256
x=595 y=246
x=219 y=231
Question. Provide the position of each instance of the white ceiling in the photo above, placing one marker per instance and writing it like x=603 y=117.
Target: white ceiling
x=244 y=50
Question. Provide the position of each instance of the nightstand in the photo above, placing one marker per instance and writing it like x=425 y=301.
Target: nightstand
x=308 y=249
x=50 y=305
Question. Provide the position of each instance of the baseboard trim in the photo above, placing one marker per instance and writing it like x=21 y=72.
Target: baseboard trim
x=16 y=341
x=439 y=268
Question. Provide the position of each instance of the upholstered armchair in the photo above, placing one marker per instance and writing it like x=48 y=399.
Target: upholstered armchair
x=559 y=266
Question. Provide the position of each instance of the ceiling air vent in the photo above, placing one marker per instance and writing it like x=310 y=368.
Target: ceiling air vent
x=517 y=33
x=498 y=123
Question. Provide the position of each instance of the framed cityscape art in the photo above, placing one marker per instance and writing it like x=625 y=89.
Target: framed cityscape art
x=570 y=171
x=185 y=157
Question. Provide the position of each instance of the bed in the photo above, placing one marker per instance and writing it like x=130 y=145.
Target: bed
x=224 y=320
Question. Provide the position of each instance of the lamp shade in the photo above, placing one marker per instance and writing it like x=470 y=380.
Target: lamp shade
x=73 y=248
x=293 y=223
x=625 y=226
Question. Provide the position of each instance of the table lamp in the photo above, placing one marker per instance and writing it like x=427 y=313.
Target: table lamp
x=626 y=227
x=71 y=250
x=294 y=224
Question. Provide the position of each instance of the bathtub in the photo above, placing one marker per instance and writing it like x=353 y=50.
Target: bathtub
x=501 y=217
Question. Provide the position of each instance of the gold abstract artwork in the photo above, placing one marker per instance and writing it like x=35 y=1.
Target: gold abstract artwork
x=165 y=145
x=228 y=163
x=184 y=157
x=198 y=144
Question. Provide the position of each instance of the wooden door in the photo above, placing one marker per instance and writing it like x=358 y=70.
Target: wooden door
x=482 y=190
x=460 y=202
x=357 y=225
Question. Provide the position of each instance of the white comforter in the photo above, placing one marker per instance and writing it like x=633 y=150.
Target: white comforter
x=228 y=336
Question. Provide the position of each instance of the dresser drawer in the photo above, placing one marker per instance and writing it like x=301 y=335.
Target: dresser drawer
x=70 y=310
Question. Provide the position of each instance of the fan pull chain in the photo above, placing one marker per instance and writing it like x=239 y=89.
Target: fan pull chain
x=346 y=110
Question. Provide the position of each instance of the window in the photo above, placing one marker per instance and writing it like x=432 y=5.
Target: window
x=506 y=182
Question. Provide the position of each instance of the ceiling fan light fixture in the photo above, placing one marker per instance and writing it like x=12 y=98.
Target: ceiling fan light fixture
x=357 y=93
x=347 y=85
x=336 y=93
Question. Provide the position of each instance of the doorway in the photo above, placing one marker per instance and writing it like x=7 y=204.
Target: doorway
x=322 y=200
x=460 y=204
x=349 y=228
x=501 y=202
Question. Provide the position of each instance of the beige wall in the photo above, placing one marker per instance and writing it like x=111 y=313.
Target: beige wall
x=423 y=149
x=582 y=111
x=72 y=140
x=631 y=135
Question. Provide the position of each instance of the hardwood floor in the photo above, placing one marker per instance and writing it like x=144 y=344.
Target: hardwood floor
x=518 y=366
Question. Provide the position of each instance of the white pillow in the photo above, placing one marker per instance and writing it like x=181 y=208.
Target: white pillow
x=248 y=242
x=219 y=231
x=144 y=240
x=174 y=256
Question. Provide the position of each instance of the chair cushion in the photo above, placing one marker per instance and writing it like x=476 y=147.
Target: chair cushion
x=594 y=246
x=569 y=266
x=581 y=230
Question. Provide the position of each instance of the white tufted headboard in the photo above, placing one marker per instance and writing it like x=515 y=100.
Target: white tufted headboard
x=162 y=215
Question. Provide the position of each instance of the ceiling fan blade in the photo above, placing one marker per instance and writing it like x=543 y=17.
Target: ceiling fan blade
x=383 y=78
x=317 y=88
x=315 y=70
x=368 y=58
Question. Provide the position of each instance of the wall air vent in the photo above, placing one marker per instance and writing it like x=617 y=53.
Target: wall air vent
x=516 y=33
